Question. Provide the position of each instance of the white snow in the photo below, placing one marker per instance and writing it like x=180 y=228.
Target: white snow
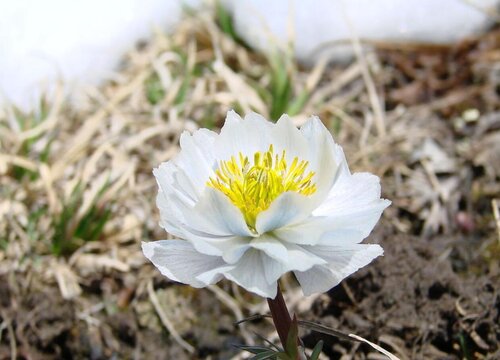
x=80 y=42
x=318 y=26
x=77 y=42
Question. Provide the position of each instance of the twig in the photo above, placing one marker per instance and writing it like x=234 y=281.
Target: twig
x=496 y=214
x=13 y=344
x=166 y=321
x=370 y=84
x=375 y=346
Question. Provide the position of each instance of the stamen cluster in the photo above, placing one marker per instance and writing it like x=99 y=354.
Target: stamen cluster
x=252 y=187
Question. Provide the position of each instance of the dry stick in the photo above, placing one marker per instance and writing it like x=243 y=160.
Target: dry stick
x=166 y=321
x=231 y=303
x=365 y=72
x=281 y=317
x=494 y=204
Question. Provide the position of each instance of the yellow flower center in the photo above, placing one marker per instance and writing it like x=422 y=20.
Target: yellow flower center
x=253 y=187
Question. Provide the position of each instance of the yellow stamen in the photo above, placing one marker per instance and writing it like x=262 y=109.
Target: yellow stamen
x=253 y=187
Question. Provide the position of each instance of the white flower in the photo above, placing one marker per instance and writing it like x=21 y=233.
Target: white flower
x=262 y=199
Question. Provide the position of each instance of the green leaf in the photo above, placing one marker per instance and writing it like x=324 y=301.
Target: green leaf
x=317 y=351
x=292 y=345
x=270 y=354
x=298 y=103
x=225 y=21
x=154 y=89
x=254 y=349
x=267 y=341
x=322 y=329
x=283 y=356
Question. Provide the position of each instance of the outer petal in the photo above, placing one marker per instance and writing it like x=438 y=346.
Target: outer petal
x=209 y=220
x=246 y=136
x=179 y=261
x=192 y=167
x=306 y=232
x=350 y=193
x=218 y=215
x=342 y=262
x=271 y=246
x=325 y=157
x=180 y=182
x=298 y=259
x=314 y=143
x=288 y=208
x=214 y=225
x=286 y=136
x=354 y=205
x=249 y=273
x=347 y=216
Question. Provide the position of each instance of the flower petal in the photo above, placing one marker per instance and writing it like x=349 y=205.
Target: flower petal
x=180 y=181
x=249 y=273
x=350 y=193
x=246 y=136
x=306 y=232
x=348 y=215
x=179 y=261
x=342 y=262
x=325 y=157
x=192 y=167
x=214 y=225
x=271 y=246
x=286 y=136
x=288 y=208
x=219 y=214
x=298 y=259
x=353 y=204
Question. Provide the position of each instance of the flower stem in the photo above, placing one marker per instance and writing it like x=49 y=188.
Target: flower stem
x=281 y=317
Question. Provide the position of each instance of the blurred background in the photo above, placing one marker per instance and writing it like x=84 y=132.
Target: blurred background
x=95 y=94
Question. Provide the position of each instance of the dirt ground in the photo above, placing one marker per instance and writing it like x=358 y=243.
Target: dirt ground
x=415 y=300
x=426 y=119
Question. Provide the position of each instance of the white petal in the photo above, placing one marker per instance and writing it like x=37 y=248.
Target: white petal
x=233 y=251
x=306 y=232
x=220 y=213
x=246 y=136
x=271 y=246
x=347 y=216
x=179 y=261
x=208 y=220
x=182 y=180
x=286 y=136
x=288 y=208
x=214 y=225
x=332 y=230
x=350 y=193
x=191 y=168
x=354 y=203
x=325 y=157
x=293 y=257
x=197 y=157
x=319 y=279
x=249 y=273
x=342 y=262
x=297 y=259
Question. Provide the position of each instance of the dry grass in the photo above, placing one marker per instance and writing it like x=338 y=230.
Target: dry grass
x=78 y=192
